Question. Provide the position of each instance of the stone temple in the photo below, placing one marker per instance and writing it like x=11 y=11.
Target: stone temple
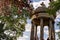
x=41 y=18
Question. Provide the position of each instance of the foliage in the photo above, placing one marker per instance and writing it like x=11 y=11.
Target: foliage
x=14 y=19
x=58 y=34
x=54 y=7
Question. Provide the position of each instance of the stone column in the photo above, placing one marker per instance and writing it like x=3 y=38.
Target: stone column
x=49 y=32
x=53 y=32
x=41 y=30
x=36 y=37
x=32 y=32
x=50 y=29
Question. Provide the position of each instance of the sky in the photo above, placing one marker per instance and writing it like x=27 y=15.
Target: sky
x=26 y=34
x=37 y=4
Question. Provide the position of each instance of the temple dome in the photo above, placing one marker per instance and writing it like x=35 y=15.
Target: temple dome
x=41 y=9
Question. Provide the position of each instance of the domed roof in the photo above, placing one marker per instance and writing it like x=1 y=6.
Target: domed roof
x=41 y=9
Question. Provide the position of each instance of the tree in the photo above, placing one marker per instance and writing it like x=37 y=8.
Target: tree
x=14 y=14
x=54 y=7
